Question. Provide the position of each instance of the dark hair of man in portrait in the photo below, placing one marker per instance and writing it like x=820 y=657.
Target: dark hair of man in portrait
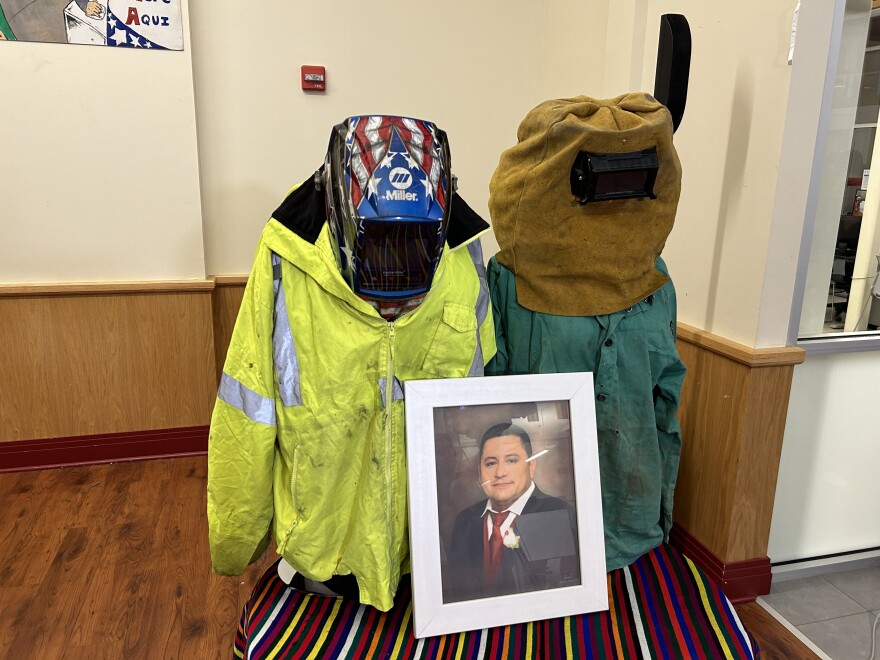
x=503 y=429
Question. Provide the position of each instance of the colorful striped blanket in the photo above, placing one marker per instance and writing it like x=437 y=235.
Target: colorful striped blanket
x=662 y=606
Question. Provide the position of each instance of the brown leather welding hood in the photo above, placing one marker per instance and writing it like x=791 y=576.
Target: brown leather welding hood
x=574 y=256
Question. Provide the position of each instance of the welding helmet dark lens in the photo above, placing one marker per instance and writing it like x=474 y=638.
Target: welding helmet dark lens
x=397 y=257
x=598 y=177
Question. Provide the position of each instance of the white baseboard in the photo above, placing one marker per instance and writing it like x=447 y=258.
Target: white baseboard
x=811 y=567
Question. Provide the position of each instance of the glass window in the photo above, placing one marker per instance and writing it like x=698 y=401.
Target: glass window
x=842 y=292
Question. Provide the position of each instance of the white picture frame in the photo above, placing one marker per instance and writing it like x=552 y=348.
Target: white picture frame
x=444 y=422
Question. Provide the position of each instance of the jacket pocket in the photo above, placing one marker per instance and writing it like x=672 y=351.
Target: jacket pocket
x=454 y=343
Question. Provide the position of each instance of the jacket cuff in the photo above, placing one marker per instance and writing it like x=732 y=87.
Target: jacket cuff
x=231 y=556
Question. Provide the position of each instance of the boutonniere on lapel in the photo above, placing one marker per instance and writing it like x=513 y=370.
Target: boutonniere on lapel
x=510 y=539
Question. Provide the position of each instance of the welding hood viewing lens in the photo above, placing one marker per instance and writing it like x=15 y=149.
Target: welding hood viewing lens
x=599 y=177
x=397 y=257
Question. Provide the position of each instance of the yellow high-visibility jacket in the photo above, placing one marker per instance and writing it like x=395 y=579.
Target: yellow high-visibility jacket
x=307 y=434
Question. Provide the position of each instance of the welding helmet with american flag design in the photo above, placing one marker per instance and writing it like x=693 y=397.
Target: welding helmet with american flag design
x=388 y=184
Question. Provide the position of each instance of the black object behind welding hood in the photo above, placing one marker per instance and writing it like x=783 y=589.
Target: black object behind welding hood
x=673 y=65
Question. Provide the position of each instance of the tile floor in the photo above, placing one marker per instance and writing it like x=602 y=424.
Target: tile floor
x=835 y=611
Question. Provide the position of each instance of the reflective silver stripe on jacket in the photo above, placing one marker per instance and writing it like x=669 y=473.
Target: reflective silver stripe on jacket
x=283 y=346
x=257 y=408
x=482 y=308
x=396 y=390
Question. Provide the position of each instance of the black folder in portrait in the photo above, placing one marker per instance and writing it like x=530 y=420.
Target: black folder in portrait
x=546 y=535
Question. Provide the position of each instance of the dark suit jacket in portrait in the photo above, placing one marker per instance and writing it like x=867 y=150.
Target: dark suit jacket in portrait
x=545 y=559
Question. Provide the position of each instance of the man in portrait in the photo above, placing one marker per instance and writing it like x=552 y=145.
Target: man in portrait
x=516 y=540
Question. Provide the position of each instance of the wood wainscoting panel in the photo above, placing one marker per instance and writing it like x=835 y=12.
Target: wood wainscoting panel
x=96 y=288
x=227 y=297
x=710 y=417
x=751 y=357
x=763 y=428
x=733 y=409
x=99 y=360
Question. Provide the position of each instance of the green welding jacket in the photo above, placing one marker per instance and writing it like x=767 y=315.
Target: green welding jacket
x=307 y=433
x=638 y=377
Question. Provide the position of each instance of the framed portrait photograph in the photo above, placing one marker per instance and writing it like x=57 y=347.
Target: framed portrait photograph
x=505 y=507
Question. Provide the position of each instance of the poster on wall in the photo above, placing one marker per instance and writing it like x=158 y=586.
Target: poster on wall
x=149 y=24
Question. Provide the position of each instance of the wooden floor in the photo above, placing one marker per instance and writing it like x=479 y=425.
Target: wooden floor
x=111 y=561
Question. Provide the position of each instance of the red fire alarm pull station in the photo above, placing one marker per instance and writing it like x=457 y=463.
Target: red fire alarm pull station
x=313 y=78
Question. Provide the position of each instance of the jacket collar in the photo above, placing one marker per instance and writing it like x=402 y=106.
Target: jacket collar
x=304 y=213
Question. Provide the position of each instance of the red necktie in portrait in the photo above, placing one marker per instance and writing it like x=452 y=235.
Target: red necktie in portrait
x=493 y=546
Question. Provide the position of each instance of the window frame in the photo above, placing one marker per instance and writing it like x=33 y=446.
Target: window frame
x=855 y=341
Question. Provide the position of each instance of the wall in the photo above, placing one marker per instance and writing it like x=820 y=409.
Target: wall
x=473 y=68
x=828 y=488
x=104 y=183
x=101 y=176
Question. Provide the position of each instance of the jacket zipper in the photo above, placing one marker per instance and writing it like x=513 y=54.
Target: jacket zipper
x=389 y=398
